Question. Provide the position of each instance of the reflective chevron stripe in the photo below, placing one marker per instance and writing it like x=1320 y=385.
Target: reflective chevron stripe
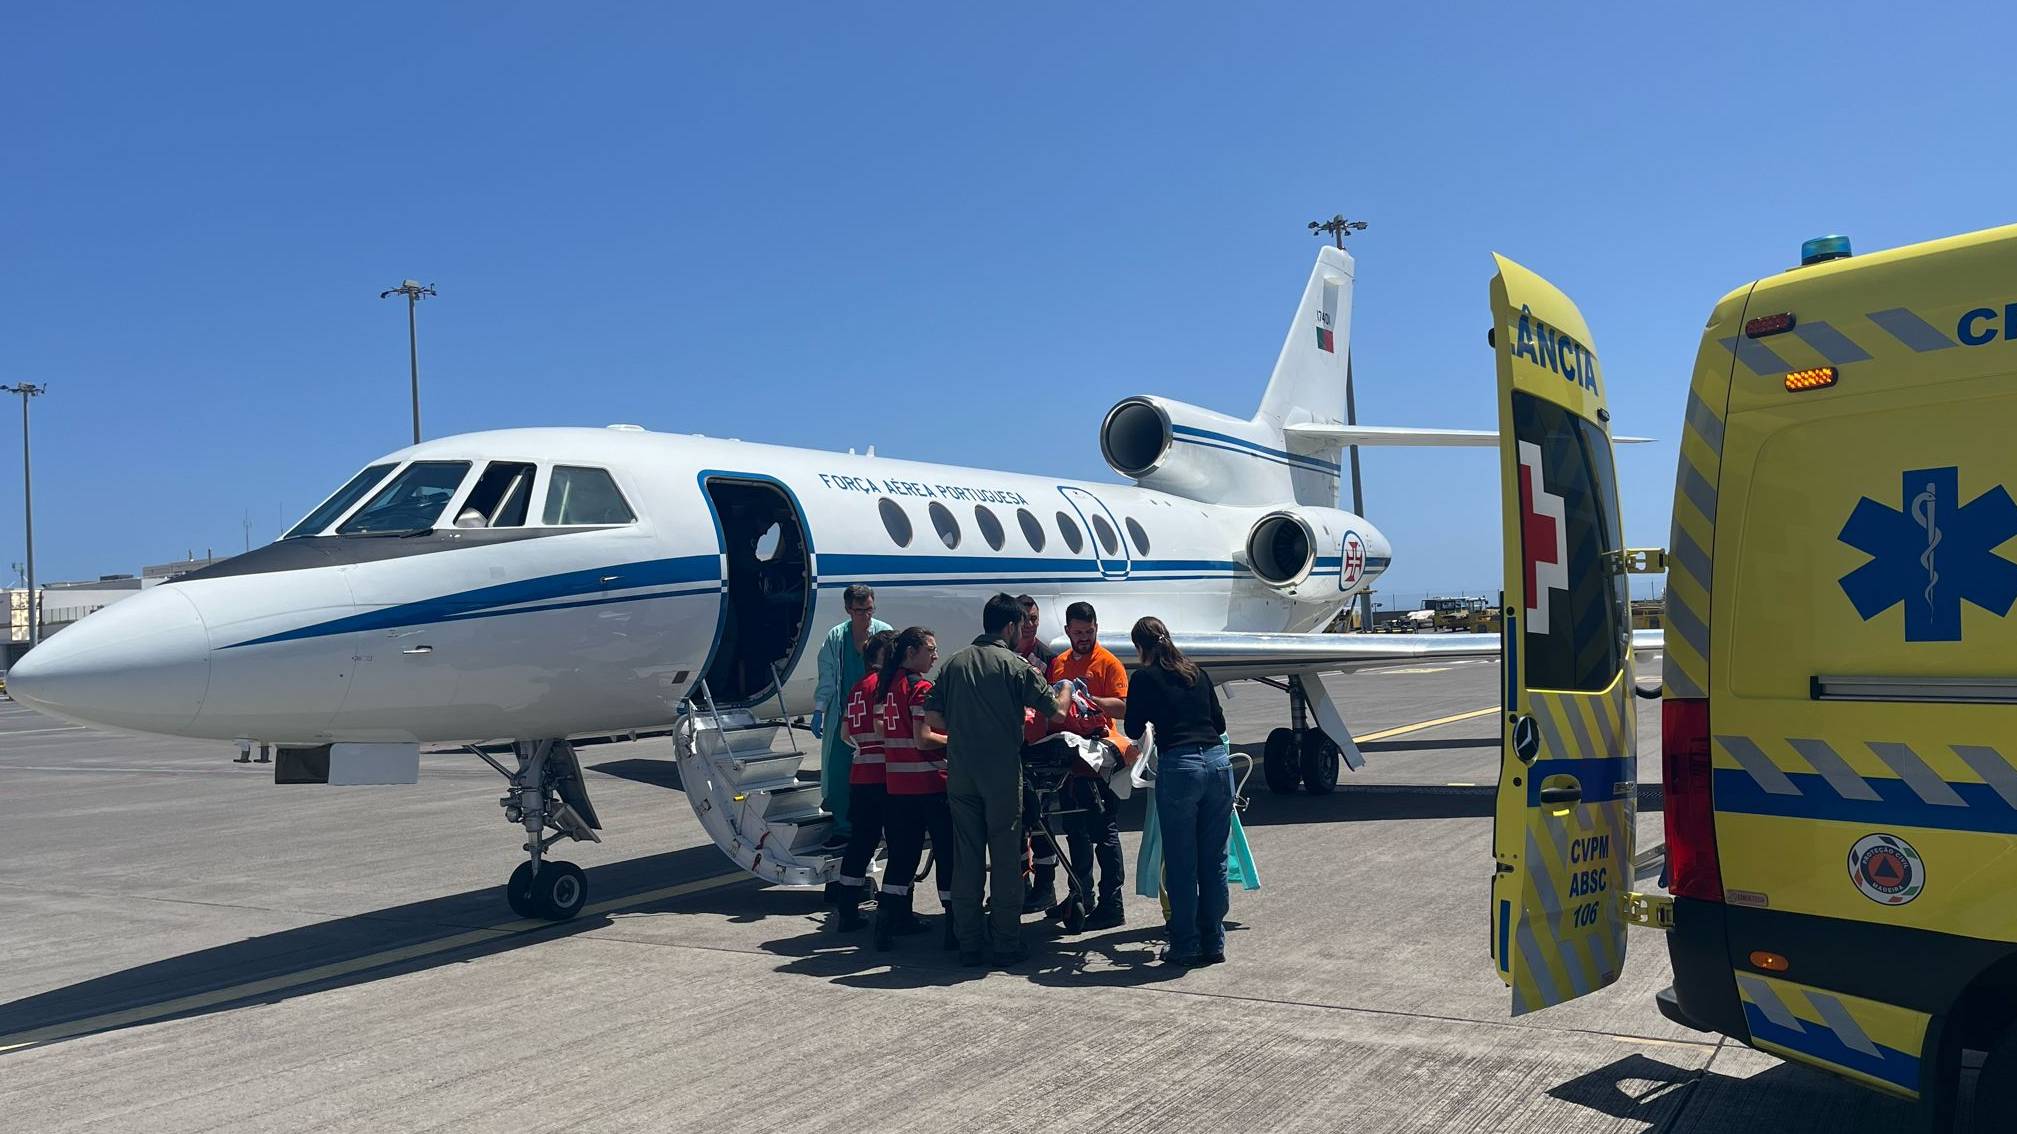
x=1865 y=1039
x=1691 y=564
x=1908 y=328
x=1817 y=782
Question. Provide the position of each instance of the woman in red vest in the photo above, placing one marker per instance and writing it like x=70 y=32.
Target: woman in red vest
x=865 y=794
x=914 y=775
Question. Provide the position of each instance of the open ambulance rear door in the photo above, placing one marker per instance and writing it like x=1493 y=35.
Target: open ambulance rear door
x=1568 y=790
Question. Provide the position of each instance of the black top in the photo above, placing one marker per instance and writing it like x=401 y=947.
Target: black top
x=1185 y=716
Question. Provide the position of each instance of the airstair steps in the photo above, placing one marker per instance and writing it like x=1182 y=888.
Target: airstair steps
x=758 y=773
x=794 y=803
x=749 y=798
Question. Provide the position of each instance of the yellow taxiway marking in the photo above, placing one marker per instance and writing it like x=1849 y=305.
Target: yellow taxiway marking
x=1420 y=725
x=150 y=1012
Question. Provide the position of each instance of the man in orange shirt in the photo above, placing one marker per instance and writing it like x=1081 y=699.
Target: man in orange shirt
x=1094 y=834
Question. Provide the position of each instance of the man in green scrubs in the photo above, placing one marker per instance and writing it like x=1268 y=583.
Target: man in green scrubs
x=840 y=666
x=978 y=702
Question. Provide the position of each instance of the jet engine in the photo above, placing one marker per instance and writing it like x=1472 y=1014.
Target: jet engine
x=1315 y=554
x=1186 y=451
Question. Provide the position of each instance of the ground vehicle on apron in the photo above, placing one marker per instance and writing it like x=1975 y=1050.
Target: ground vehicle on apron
x=1839 y=717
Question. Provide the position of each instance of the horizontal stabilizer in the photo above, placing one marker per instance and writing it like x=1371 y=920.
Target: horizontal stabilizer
x=1404 y=435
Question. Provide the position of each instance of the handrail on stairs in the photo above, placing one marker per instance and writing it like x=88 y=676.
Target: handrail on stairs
x=777 y=682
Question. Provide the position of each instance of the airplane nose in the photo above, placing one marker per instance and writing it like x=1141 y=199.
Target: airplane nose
x=141 y=664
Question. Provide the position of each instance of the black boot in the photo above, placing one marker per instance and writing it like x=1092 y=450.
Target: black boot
x=951 y=938
x=1042 y=891
x=890 y=910
x=907 y=923
x=1108 y=914
x=847 y=917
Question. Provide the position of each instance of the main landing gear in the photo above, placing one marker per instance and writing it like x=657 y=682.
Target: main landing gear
x=1300 y=754
x=546 y=792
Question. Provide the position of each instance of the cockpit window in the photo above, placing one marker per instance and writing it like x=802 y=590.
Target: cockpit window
x=501 y=497
x=340 y=503
x=412 y=502
x=584 y=496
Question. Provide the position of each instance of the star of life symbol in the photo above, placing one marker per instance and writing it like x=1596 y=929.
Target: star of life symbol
x=1929 y=554
x=1543 y=538
x=1354 y=566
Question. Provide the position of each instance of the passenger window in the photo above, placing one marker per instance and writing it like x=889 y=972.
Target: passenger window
x=501 y=497
x=578 y=495
x=1141 y=537
x=1109 y=539
x=412 y=502
x=340 y=503
x=1068 y=528
x=1033 y=528
x=894 y=521
x=990 y=527
x=947 y=527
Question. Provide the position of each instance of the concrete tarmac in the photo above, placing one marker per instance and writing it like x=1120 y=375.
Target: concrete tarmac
x=190 y=947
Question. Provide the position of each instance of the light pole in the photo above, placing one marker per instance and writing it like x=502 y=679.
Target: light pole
x=414 y=291
x=1338 y=227
x=28 y=390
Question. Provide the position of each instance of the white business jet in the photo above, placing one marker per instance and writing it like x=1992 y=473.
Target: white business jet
x=549 y=586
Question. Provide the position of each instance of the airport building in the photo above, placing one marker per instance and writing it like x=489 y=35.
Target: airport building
x=63 y=604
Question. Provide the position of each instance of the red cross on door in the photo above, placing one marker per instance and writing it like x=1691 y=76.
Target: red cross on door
x=1543 y=538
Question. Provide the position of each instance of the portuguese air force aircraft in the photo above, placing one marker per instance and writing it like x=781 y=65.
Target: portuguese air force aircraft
x=546 y=586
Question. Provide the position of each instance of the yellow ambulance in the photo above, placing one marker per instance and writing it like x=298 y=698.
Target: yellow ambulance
x=1839 y=703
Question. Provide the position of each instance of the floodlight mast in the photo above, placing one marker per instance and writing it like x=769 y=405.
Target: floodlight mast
x=414 y=291
x=27 y=390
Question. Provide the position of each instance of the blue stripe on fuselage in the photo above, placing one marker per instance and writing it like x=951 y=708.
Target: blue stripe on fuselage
x=835 y=569
x=485 y=601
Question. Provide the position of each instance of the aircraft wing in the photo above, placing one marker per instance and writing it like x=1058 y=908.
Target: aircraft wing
x=1332 y=434
x=1239 y=656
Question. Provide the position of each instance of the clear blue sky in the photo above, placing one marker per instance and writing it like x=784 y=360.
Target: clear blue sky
x=831 y=225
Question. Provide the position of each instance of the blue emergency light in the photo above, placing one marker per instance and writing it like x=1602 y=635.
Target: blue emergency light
x=1822 y=249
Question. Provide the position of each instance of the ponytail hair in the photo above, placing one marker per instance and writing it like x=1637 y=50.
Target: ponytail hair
x=876 y=650
x=1152 y=638
x=900 y=647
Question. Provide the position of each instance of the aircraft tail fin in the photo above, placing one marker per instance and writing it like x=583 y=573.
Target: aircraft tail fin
x=1308 y=384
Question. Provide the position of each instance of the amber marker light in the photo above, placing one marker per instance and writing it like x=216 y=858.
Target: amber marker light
x=1819 y=378
x=1769 y=962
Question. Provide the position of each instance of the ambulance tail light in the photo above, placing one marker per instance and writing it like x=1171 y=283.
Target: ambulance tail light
x=1694 y=871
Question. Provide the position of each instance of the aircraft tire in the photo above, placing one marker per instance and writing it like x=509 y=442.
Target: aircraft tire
x=1320 y=762
x=1280 y=763
x=518 y=892
x=560 y=890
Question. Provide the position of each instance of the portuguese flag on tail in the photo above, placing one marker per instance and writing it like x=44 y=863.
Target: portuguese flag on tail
x=1325 y=341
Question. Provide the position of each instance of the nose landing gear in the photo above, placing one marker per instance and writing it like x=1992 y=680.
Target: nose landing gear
x=546 y=792
x=554 y=891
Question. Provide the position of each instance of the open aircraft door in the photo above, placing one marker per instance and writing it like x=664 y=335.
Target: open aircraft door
x=1568 y=791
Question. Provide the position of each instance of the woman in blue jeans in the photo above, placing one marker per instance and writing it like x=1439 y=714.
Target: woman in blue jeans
x=1194 y=790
